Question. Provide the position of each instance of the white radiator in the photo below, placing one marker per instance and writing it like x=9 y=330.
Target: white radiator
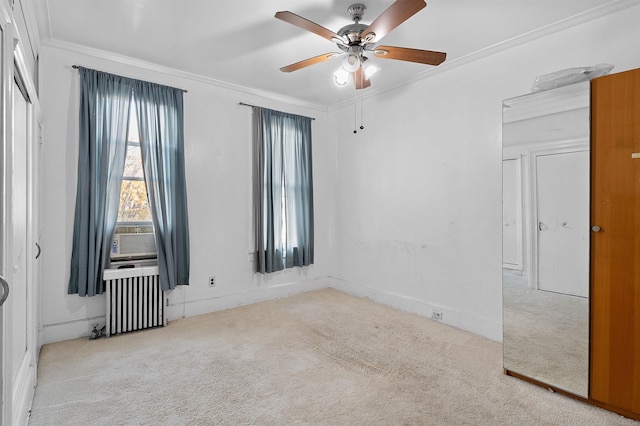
x=135 y=300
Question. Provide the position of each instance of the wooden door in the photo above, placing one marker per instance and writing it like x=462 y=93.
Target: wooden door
x=615 y=255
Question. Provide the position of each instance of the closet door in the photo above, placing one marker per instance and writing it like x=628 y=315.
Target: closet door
x=615 y=242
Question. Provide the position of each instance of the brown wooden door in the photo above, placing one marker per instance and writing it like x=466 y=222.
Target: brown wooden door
x=615 y=249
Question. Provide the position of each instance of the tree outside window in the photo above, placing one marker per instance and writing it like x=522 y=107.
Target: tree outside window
x=134 y=201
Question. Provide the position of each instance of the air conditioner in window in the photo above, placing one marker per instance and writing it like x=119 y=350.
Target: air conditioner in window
x=133 y=246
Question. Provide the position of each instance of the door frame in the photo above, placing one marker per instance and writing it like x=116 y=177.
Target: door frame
x=519 y=265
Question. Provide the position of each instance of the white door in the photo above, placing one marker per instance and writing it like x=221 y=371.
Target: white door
x=20 y=295
x=21 y=221
x=19 y=230
x=5 y=205
x=562 y=186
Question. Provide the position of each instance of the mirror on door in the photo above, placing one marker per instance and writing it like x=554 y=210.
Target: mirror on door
x=546 y=237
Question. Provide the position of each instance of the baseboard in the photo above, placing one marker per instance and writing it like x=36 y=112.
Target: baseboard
x=75 y=329
x=69 y=330
x=181 y=309
x=457 y=319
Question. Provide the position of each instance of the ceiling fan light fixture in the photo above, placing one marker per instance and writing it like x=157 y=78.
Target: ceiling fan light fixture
x=351 y=62
x=341 y=77
x=370 y=70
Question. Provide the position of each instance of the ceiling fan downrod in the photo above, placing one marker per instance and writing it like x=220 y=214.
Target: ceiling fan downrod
x=351 y=33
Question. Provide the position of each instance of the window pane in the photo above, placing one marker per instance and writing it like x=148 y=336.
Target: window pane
x=134 y=205
x=133 y=163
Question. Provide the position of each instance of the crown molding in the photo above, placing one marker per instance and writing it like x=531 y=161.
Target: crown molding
x=173 y=72
x=589 y=15
x=554 y=101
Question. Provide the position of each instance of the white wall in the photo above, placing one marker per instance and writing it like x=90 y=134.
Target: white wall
x=218 y=162
x=408 y=211
x=420 y=187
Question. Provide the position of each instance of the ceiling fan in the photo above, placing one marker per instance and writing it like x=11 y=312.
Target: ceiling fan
x=356 y=40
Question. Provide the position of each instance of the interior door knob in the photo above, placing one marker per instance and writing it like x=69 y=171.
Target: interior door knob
x=595 y=228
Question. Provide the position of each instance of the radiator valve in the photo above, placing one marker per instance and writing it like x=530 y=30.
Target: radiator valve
x=95 y=333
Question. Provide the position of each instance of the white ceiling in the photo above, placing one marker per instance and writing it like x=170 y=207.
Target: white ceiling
x=240 y=42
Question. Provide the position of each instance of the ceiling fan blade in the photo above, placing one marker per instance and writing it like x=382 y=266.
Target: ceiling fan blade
x=308 y=25
x=428 y=57
x=395 y=15
x=359 y=79
x=308 y=62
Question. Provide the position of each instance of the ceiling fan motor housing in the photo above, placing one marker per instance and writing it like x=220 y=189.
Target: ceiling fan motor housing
x=351 y=33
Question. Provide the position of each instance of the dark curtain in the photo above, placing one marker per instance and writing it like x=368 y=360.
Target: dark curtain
x=160 y=127
x=104 y=120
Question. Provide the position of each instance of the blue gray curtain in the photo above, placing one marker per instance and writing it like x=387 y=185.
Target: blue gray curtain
x=160 y=127
x=105 y=100
x=283 y=190
x=104 y=119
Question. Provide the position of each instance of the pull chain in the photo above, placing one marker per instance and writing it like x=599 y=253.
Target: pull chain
x=355 y=117
x=361 y=114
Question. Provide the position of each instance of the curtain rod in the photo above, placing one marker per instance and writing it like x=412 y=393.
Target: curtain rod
x=255 y=106
x=78 y=66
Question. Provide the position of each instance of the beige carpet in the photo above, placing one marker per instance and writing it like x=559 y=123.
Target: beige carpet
x=546 y=337
x=316 y=358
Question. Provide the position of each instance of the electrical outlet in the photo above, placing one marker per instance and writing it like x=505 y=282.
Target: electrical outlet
x=212 y=281
x=94 y=326
x=437 y=315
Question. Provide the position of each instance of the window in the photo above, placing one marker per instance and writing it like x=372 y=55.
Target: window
x=103 y=128
x=134 y=236
x=283 y=200
x=134 y=203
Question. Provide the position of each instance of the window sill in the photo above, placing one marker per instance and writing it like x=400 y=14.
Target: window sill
x=139 y=270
